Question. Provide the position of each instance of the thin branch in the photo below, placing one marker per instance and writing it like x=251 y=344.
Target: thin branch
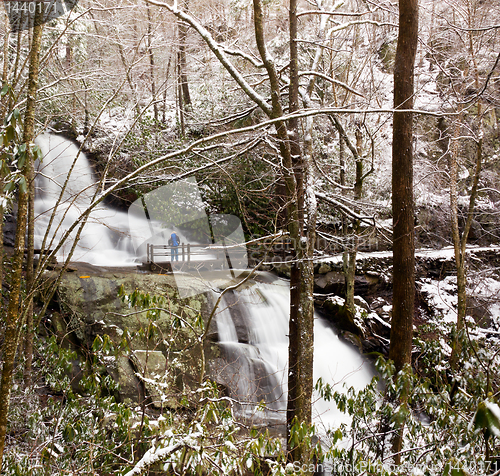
x=339 y=14
x=366 y=219
x=331 y=80
x=256 y=63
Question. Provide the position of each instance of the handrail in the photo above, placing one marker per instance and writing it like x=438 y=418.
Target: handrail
x=186 y=250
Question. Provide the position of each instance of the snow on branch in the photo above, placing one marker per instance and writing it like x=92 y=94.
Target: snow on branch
x=154 y=455
x=366 y=219
x=339 y=14
x=257 y=64
x=331 y=80
x=218 y=52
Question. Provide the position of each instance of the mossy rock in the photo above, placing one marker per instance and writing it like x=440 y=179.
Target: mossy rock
x=91 y=307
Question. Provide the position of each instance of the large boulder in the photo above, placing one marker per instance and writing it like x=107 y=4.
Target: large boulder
x=165 y=342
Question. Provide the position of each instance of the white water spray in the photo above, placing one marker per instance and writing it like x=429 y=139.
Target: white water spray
x=263 y=312
x=105 y=240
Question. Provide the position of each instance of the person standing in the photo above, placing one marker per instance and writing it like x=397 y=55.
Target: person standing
x=174 y=242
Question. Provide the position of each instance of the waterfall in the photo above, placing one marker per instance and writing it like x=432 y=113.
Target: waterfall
x=105 y=239
x=252 y=325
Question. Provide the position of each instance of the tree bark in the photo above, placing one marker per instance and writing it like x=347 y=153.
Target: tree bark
x=152 y=62
x=402 y=196
x=13 y=312
x=352 y=251
x=183 y=81
x=301 y=324
x=4 y=110
x=30 y=271
x=402 y=187
x=460 y=242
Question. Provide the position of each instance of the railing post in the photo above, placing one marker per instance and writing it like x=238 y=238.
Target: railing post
x=183 y=253
x=189 y=252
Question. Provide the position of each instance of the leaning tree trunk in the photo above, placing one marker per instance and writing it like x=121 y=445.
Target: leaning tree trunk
x=402 y=196
x=460 y=242
x=12 y=320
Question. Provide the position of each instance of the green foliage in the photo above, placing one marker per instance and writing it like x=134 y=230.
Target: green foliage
x=487 y=418
x=243 y=189
x=67 y=432
x=450 y=422
x=13 y=153
x=90 y=431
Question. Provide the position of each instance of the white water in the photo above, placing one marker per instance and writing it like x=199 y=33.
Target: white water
x=105 y=239
x=112 y=237
x=256 y=362
x=264 y=307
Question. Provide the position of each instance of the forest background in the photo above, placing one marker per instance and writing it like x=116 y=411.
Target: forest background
x=286 y=120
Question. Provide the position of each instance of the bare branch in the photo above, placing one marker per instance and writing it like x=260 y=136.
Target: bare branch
x=339 y=14
x=366 y=219
x=218 y=52
x=331 y=80
x=257 y=64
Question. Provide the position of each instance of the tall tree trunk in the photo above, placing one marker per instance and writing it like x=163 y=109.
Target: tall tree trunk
x=183 y=81
x=13 y=313
x=152 y=62
x=460 y=242
x=402 y=195
x=30 y=245
x=301 y=335
x=180 y=103
x=4 y=110
x=402 y=187
x=353 y=248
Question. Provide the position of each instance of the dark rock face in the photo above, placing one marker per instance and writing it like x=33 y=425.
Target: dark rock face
x=373 y=283
x=331 y=282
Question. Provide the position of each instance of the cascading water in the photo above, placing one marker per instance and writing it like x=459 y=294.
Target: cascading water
x=115 y=238
x=252 y=323
x=105 y=239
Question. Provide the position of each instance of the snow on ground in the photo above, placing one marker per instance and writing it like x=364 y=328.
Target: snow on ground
x=441 y=296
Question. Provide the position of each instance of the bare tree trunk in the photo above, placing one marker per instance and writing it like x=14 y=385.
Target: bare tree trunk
x=183 y=81
x=13 y=312
x=152 y=62
x=301 y=335
x=180 y=104
x=460 y=242
x=455 y=233
x=402 y=187
x=28 y=342
x=4 y=109
x=402 y=196
x=353 y=249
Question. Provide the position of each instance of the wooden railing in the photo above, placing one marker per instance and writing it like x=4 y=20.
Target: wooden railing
x=185 y=252
x=214 y=256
